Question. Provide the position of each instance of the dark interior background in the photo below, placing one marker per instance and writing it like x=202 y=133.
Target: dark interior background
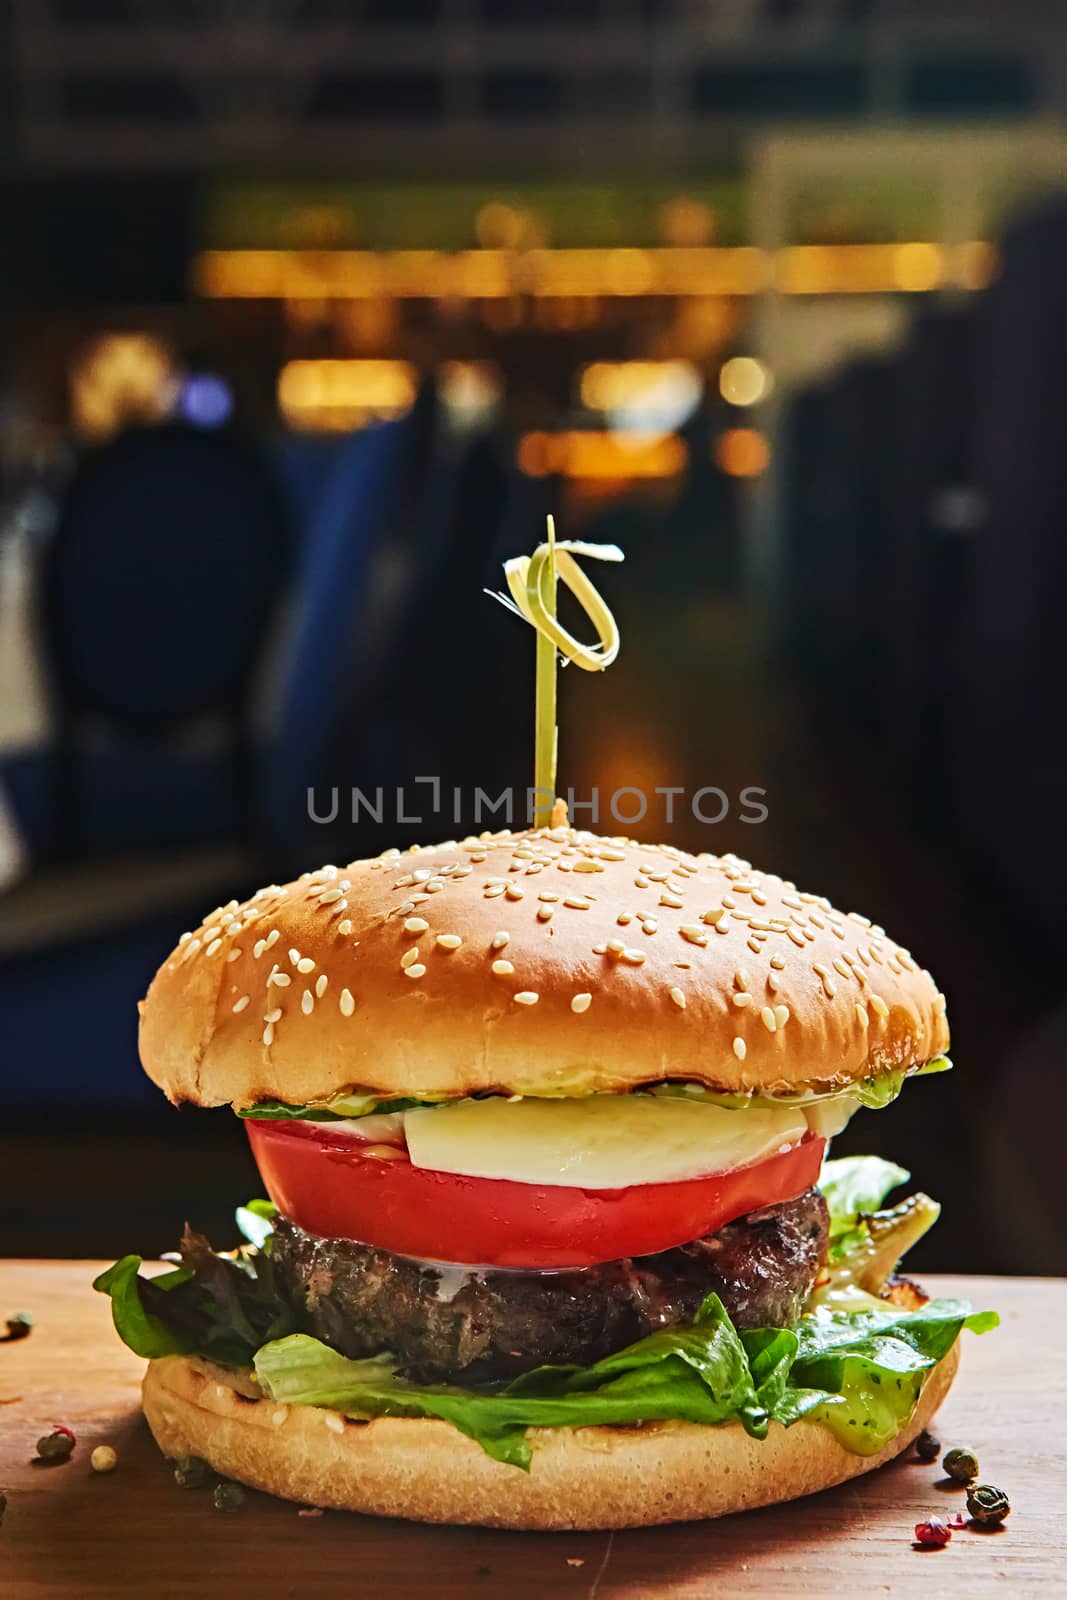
x=309 y=316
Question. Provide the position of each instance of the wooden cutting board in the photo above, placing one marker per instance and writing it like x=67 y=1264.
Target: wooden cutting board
x=133 y=1532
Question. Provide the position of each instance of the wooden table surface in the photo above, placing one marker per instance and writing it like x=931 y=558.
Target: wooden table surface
x=134 y=1532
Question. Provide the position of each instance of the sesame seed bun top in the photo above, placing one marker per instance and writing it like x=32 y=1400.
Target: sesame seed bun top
x=548 y=962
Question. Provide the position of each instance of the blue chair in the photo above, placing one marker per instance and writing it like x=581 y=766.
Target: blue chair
x=356 y=510
x=160 y=585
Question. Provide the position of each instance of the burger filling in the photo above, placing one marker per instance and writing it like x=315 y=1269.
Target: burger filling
x=473 y=1326
x=514 y=1264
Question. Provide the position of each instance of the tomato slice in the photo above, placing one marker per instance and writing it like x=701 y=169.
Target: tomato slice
x=329 y=1185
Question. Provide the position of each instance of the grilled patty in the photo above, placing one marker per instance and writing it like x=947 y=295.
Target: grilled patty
x=474 y=1326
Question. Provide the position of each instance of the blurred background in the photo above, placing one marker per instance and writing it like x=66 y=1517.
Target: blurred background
x=310 y=310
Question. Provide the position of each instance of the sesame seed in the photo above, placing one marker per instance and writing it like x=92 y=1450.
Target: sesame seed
x=714 y=916
x=675 y=901
x=344 y=928
x=513 y=892
x=773 y=982
x=320 y=985
x=940 y=1004
x=499 y=940
x=796 y=936
x=878 y=1005
x=268 y=1033
x=502 y=968
x=550 y=899
x=740 y=1048
x=305 y=964
x=576 y=903
x=694 y=933
x=493 y=890
x=273 y=1016
x=581 y=1002
x=839 y=966
x=754 y=946
x=234 y=955
x=449 y=941
x=741 y=999
x=239 y=1005
x=778 y=961
x=586 y=865
x=282 y=979
x=186 y=936
x=861 y=1015
x=679 y=998
x=526 y=997
x=544 y=913
x=258 y=948
x=781 y=1015
x=741 y=978
x=434 y=885
x=294 y=956
x=615 y=947
x=272 y=938
x=409 y=957
x=640 y=883
x=649 y=925
x=769 y=1020
x=633 y=958
x=346 y=1003
x=329 y=897
x=307 y=1002
x=335 y=1423
x=417 y=971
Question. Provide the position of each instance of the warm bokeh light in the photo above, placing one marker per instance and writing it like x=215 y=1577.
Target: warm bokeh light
x=666 y=271
x=121 y=378
x=744 y=381
x=328 y=396
x=918 y=267
x=470 y=390
x=616 y=457
x=611 y=385
x=742 y=453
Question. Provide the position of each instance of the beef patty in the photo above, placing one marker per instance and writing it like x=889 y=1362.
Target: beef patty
x=477 y=1325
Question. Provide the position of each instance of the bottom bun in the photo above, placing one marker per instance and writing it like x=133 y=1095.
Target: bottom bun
x=425 y=1470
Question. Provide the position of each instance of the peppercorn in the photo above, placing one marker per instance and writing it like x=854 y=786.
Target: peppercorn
x=104 y=1459
x=191 y=1472
x=18 y=1325
x=228 y=1497
x=934 y=1533
x=56 y=1446
x=961 y=1464
x=987 y=1505
x=927 y=1448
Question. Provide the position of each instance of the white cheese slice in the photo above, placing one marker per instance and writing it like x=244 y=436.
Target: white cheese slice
x=600 y=1142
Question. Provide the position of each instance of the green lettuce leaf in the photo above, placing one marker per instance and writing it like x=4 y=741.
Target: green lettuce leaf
x=857 y=1183
x=857 y=1373
x=698 y=1373
x=223 y=1307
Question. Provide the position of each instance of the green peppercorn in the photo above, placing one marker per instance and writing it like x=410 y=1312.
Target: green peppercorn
x=55 y=1446
x=228 y=1497
x=927 y=1448
x=961 y=1464
x=988 y=1506
x=18 y=1325
x=192 y=1473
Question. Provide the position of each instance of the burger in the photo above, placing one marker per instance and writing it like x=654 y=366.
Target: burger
x=552 y=1240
